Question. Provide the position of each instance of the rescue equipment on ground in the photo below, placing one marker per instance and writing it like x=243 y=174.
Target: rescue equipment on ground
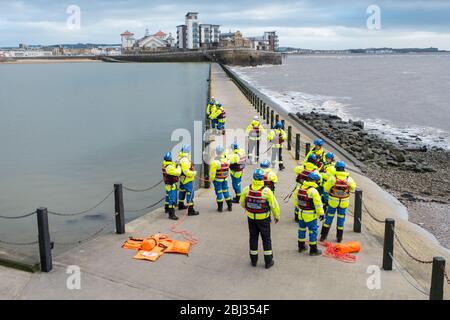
x=154 y=246
x=344 y=252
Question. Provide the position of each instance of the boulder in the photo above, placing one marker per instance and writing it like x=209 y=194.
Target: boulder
x=359 y=124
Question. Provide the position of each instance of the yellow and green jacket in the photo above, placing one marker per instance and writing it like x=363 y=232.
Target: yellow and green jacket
x=235 y=157
x=215 y=113
x=274 y=137
x=267 y=194
x=311 y=191
x=188 y=172
x=216 y=165
x=309 y=166
x=320 y=153
x=253 y=128
x=333 y=201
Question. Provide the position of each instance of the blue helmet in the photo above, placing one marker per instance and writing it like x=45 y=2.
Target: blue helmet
x=279 y=125
x=318 y=142
x=168 y=156
x=211 y=103
x=329 y=155
x=186 y=148
x=219 y=105
x=340 y=165
x=312 y=157
x=265 y=164
x=313 y=176
x=259 y=174
x=219 y=149
x=234 y=146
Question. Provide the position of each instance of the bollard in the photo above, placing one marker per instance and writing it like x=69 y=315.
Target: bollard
x=264 y=111
x=307 y=148
x=289 y=142
x=297 y=146
x=277 y=118
x=271 y=118
x=388 y=247
x=261 y=108
x=258 y=102
x=119 y=208
x=45 y=246
x=206 y=182
x=437 y=279
x=358 y=211
x=283 y=122
x=267 y=115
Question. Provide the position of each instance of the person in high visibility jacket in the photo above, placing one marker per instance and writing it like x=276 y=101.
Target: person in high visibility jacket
x=213 y=116
x=308 y=202
x=254 y=131
x=218 y=173
x=171 y=173
x=327 y=171
x=219 y=114
x=337 y=192
x=303 y=171
x=277 y=136
x=237 y=165
x=188 y=174
x=270 y=177
x=319 y=152
x=259 y=202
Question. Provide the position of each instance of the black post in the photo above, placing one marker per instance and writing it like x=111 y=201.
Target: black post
x=358 y=211
x=297 y=146
x=437 y=279
x=264 y=111
x=283 y=122
x=271 y=118
x=307 y=148
x=267 y=115
x=257 y=105
x=261 y=110
x=206 y=181
x=388 y=248
x=289 y=142
x=277 y=118
x=45 y=246
x=118 y=202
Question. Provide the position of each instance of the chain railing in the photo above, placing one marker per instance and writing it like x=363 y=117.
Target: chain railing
x=144 y=189
x=18 y=217
x=403 y=274
x=83 y=211
x=147 y=207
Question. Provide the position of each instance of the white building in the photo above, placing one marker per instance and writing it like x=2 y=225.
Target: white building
x=189 y=34
x=209 y=35
x=28 y=53
x=127 y=40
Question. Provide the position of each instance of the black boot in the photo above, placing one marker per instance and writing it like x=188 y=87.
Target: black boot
x=268 y=259
x=324 y=233
x=192 y=212
x=339 y=235
x=181 y=205
x=301 y=246
x=236 y=199
x=220 y=206
x=282 y=166
x=172 y=215
x=313 y=251
x=230 y=205
x=254 y=259
x=166 y=208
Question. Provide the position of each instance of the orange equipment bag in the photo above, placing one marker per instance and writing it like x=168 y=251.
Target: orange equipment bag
x=152 y=247
x=348 y=247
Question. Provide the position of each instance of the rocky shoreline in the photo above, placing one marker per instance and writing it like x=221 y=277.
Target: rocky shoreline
x=418 y=176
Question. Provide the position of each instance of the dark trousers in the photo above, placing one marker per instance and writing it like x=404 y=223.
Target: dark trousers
x=255 y=228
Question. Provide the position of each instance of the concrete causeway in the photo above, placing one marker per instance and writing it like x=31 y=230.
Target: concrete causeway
x=219 y=267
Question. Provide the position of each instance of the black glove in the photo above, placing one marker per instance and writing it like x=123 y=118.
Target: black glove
x=322 y=217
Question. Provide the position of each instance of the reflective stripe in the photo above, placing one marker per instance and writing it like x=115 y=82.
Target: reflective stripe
x=340 y=228
x=313 y=242
x=254 y=252
x=341 y=215
x=268 y=252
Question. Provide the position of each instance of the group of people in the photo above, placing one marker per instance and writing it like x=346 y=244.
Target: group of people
x=323 y=187
x=217 y=115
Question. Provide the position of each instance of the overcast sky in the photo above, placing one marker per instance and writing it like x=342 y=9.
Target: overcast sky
x=316 y=24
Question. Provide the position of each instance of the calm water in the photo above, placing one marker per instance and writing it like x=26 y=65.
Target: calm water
x=68 y=132
x=396 y=95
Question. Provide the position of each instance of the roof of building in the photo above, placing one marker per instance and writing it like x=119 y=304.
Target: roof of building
x=127 y=33
x=160 y=34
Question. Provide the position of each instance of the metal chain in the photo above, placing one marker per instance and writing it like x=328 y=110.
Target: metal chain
x=446 y=275
x=142 y=190
x=148 y=207
x=92 y=236
x=19 y=217
x=81 y=212
x=19 y=243
x=397 y=265
x=409 y=254
x=370 y=214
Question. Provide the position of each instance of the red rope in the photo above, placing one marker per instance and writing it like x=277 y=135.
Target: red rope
x=331 y=252
x=187 y=235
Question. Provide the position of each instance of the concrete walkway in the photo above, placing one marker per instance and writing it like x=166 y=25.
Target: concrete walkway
x=218 y=267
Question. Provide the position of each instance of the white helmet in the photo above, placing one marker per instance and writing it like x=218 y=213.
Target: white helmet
x=255 y=118
x=212 y=98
